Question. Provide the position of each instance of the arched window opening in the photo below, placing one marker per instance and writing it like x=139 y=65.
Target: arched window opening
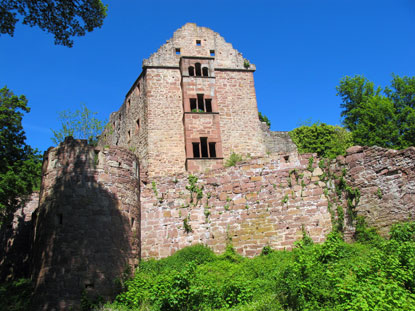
x=198 y=70
x=191 y=71
x=205 y=71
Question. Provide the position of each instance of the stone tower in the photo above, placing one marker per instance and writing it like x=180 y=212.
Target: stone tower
x=193 y=104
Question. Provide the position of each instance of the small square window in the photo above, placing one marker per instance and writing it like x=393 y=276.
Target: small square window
x=177 y=51
x=198 y=42
x=212 y=52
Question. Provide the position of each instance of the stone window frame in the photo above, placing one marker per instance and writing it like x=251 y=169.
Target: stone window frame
x=206 y=103
x=210 y=145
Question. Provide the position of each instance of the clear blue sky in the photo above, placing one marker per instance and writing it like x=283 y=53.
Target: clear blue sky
x=301 y=49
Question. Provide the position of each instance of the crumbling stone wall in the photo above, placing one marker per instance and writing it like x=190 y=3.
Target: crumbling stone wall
x=277 y=141
x=256 y=203
x=267 y=201
x=87 y=225
x=386 y=180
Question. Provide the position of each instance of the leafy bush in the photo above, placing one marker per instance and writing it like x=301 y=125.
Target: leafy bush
x=15 y=295
x=374 y=274
x=327 y=141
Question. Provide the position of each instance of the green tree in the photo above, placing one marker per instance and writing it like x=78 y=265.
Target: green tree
x=80 y=124
x=63 y=18
x=326 y=140
x=385 y=118
x=20 y=168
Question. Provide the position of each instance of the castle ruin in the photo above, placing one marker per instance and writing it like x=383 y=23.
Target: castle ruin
x=102 y=209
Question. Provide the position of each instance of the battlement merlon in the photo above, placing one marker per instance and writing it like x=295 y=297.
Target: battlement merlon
x=194 y=41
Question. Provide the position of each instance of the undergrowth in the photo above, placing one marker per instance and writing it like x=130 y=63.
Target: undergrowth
x=371 y=274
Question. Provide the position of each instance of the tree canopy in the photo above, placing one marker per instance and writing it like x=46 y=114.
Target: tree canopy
x=385 y=118
x=63 y=18
x=20 y=168
x=80 y=124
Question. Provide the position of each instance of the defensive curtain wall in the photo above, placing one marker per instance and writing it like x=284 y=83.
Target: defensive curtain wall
x=96 y=216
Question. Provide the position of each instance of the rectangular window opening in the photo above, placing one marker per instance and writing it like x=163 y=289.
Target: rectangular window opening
x=212 y=150
x=60 y=219
x=177 y=51
x=198 y=42
x=196 y=152
x=204 y=147
x=208 y=103
x=129 y=134
x=212 y=52
x=200 y=104
x=193 y=105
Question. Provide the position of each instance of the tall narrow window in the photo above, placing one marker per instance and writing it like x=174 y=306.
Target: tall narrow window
x=129 y=135
x=204 y=147
x=137 y=125
x=198 y=67
x=212 y=52
x=208 y=103
x=198 y=42
x=212 y=150
x=200 y=104
x=177 y=51
x=128 y=104
x=205 y=71
x=193 y=105
x=191 y=71
x=196 y=152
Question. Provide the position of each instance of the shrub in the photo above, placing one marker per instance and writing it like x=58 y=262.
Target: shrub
x=326 y=140
x=233 y=159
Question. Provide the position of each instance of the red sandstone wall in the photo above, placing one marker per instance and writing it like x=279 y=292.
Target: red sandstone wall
x=266 y=201
x=87 y=227
x=254 y=204
x=166 y=154
x=386 y=179
x=239 y=123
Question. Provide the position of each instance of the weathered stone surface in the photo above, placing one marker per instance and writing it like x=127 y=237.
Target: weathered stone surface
x=87 y=225
x=158 y=123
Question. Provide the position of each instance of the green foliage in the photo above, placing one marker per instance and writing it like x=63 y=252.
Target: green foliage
x=196 y=279
x=80 y=124
x=386 y=120
x=327 y=141
x=194 y=189
x=197 y=110
x=186 y=225
x=233 y=159
x=365 y=234
x=403 y=232
x=339 y=276
x=284 y=199
x=264 y=118
x=246 y=63
x=20 y=168
x=64 y=19
x=374 y=274
x=15 y=295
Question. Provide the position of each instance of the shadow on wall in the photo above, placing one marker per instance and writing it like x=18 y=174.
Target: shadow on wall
x=83 y=231
x=16 y=241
